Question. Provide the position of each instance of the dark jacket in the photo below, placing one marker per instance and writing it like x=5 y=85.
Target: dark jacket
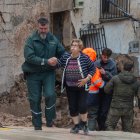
x=109 y=67
x=36 y=50
x=86 y=66
x=124 y=86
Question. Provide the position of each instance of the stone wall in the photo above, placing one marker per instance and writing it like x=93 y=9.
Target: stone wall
x=17 y=20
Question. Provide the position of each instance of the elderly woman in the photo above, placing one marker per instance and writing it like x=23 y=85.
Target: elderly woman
x=78 y=70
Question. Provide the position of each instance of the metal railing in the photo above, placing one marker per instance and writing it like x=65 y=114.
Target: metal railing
x=94 y=37
x=110 y=9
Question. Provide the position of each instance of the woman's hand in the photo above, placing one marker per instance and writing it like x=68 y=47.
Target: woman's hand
x=82 y=82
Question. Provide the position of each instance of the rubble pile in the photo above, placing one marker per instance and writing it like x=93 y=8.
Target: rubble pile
x=15 y=111
x=12 y=120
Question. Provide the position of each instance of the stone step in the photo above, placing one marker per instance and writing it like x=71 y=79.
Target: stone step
x=25 y=133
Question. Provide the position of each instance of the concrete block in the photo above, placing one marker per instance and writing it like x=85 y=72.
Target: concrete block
x=3 y=46
x=18 y=10
x=1 y=35
x=3 y=54
x=4 y=36
x=7 y=17
x=1 y=7
x=8 y=8
x=14 y=2
x=8 y=26
x=1 y=1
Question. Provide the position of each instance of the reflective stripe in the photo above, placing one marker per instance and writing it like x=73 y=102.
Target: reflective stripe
x=97 y=81
x=93 y=92
x=42 y=62
x=103 y=83
x=36 y=112
x=50 y=107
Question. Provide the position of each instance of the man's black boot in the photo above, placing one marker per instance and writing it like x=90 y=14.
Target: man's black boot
x=38 y=128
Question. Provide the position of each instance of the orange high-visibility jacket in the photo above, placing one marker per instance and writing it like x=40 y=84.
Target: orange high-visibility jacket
x=96 y=80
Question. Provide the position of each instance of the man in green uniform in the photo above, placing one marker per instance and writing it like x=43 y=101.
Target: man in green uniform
x=124 y=86
x=40 y=49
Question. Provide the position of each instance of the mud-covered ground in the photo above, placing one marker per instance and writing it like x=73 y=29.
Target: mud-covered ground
x=14 y=109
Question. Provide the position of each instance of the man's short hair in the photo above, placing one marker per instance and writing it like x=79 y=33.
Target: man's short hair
x=107 y=52
x=128 y=66
x=43 y=21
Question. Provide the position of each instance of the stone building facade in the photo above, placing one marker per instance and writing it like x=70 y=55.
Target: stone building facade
x=67 y=18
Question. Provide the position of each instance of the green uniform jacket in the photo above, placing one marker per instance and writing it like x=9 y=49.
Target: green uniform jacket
x=124 y=87
x=36 y=50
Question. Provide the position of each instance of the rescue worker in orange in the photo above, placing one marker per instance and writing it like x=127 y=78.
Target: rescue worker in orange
x=93 y=97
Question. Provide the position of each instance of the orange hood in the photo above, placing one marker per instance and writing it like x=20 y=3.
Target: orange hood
x=90 y=52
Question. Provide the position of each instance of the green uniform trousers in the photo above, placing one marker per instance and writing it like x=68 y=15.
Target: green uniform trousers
x=126 y=116
x=39 y=84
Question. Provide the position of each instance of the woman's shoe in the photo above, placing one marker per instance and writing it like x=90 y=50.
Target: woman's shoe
x=75 y=129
